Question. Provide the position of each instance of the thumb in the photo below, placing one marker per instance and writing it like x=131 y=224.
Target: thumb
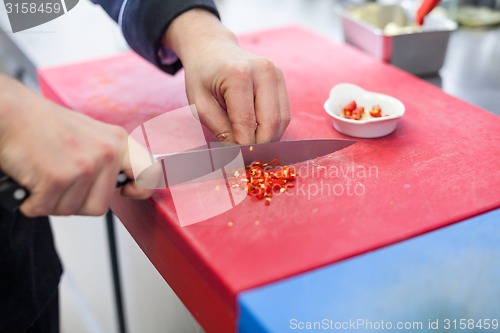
x=133 y=189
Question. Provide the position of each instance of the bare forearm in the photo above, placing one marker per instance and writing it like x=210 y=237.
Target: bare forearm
x=12 y=93
x=6 y=96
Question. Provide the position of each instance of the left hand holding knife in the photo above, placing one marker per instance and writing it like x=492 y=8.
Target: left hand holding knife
x=67 y=162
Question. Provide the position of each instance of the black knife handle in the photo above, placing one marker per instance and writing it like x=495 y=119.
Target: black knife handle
x=12 y=195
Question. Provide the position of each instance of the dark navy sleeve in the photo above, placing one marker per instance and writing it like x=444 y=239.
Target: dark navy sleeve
x=144 y=22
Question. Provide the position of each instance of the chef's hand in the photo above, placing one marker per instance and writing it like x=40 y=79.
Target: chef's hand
x=68 y=161
x=239 y=96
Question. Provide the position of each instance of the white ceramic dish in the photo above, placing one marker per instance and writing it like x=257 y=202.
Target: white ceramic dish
x=368 y=127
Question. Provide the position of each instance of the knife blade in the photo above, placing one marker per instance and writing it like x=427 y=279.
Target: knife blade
x=185 y=166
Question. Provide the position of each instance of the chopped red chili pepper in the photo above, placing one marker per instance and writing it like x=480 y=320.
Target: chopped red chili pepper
x=351 y=106
x=355 y=112
x=376 y=111
x=264 y=179
x=348 y=109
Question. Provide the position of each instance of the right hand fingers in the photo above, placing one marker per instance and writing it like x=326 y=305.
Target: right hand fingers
x=271 y=102
x=215 y=118
x=249 y=104
x=230 y=115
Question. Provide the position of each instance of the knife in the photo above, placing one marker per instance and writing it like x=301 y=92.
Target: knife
x=188 y=165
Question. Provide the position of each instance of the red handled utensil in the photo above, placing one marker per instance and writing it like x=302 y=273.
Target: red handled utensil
x=425 y=8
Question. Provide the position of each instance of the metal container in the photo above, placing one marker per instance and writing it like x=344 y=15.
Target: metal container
x=388 y=33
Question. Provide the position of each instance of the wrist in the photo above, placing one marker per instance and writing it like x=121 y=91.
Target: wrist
x=193 y=31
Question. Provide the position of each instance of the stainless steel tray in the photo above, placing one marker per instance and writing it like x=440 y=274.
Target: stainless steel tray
x=387 y=33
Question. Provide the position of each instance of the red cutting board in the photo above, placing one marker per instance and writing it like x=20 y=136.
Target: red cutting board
x=440 y=166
